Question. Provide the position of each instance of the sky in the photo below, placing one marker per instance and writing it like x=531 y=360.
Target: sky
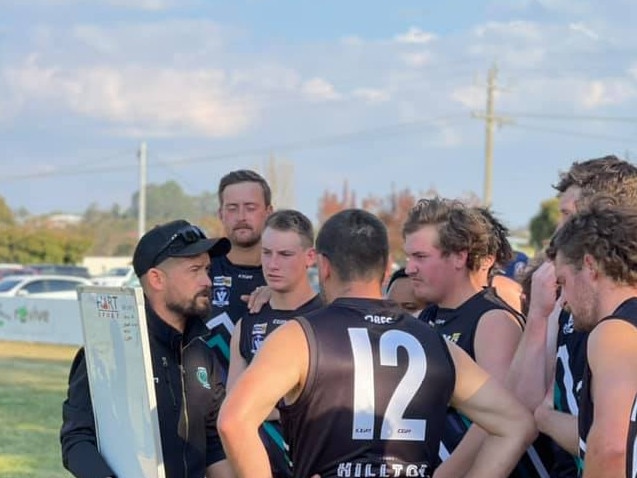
x=382 y=94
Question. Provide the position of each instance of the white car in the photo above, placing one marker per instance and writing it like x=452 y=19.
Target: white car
x=41 y=286
x=115 y=277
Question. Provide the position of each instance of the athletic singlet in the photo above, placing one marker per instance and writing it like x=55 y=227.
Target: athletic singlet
x=229 y=283
x=627 y=311
x=459 y=326
x=378 y=384
x=569 y=371
x=254 y=330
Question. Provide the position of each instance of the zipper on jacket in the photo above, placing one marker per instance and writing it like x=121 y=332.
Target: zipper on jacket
x=164 y=363
x=184 y=403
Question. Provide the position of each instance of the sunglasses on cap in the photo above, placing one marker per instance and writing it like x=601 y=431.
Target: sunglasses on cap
x=188 y=235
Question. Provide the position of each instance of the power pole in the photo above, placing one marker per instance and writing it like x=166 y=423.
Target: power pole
x=141 y=205
x=491 y=121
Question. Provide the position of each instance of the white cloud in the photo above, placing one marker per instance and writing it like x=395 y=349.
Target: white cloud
x=583 y=29
x=372 y=95
x=157 y=101
x=524 y=30
x=471 y=97
x=599 y=93
x=150 y=5
x=416 y=60
x=320 y=89
x=415 y=36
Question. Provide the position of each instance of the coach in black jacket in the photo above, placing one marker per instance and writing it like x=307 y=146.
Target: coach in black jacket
x=171 y=261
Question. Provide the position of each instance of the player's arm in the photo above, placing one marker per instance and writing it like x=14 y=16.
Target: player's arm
x=495 y=327
x=532 y=364
x=560 y=426
x=77 y=436
x=612 y=357
x=237 y=363
x=509 y=426
x=278 y=370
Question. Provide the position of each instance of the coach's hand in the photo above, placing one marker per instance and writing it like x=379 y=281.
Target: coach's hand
x=257 y=299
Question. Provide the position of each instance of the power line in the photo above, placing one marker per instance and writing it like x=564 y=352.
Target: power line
x=579 y=134
x=325 y=141
x=561 y=117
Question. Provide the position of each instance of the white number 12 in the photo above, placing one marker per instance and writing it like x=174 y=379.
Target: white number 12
x=394 y=426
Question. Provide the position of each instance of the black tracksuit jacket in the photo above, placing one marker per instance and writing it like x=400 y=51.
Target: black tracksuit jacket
x=186 y=408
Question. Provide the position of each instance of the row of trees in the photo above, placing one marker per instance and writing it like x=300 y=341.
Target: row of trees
x=113 y=232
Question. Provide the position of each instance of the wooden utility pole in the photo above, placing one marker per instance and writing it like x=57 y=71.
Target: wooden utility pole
x=491 y=121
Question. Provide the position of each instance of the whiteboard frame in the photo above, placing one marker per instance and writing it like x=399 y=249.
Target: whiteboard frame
x=116 y=437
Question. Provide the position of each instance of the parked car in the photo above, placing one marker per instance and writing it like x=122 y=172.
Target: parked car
x=14 y=271
x=118 y=276
x=41 y=286
x=61 y=269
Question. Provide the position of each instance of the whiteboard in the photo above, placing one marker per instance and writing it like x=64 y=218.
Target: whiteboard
x=120 y=375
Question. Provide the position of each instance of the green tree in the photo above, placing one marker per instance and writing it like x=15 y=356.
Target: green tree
x=7 y=217
x=543 y=224
x=164 y=202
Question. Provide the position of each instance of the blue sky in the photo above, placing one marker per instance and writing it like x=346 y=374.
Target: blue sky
x=378 y=93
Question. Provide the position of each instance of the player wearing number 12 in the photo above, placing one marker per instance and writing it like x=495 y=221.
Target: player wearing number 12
x=363 y=387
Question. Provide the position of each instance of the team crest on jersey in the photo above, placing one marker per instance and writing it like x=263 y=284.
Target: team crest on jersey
x=453 y=337
x=202 y=376
x=222 y=281
x=568 y=326
x=220 y=296
x=258 y=336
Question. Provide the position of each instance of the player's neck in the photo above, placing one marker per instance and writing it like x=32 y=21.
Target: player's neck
x=611 y=296
x=245 y=256
x=293 y=299
x=460 y=293
x=359 y=290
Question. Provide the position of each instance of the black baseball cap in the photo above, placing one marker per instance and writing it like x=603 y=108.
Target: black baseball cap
x=174 y=239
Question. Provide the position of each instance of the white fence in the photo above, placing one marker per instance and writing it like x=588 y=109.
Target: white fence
x=54 y=321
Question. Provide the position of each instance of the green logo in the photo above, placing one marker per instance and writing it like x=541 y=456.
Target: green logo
x=202 y=376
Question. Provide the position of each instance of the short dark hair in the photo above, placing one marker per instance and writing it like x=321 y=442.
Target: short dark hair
x=356 y=244
x=397 y=274
x=604 y=232
x=244 y=176
x=499 y=246
x=460 y=228
x=295 y=221
x=607 y=175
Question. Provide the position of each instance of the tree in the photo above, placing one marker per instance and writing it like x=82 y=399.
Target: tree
x=543 y=224
x=6 y=215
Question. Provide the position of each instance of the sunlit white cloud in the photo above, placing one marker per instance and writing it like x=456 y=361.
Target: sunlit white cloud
x=415 y=36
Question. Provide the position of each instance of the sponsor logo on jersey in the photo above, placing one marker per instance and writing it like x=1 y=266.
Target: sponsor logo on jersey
x=279 y=321
x=258 y=336
x=453 y=337
x=202 y=376
x=385 y=470
x=379 y=319
x=244 y=276
x=220 y=296
x=440 y=322
x=222 y=281
x=569 y=326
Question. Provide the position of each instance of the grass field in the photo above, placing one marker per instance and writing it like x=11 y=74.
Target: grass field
x=33 y=379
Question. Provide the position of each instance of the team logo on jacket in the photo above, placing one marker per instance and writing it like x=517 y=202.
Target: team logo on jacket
x=221 y=291
x=258 y=336
x=202 y=376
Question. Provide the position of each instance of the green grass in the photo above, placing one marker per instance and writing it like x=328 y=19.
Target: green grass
x=33 y=380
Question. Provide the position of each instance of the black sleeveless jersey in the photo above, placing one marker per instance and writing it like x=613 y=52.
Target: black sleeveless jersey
x=626 y=311
x=256 y=327
x=229 y=283
x=373 y=404
x=459 y=326
x=631 y=443
x=569 y=371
